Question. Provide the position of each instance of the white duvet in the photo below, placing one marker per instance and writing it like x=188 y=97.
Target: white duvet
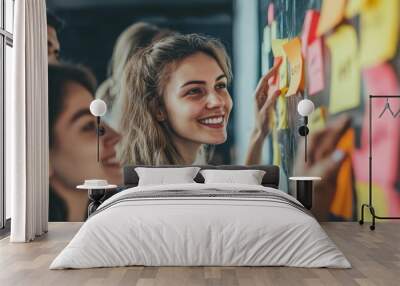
x=188 y=231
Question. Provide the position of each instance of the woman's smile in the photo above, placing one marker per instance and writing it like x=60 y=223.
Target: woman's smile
x=214 y=121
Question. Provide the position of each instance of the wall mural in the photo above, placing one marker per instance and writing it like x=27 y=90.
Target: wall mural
x=350 y=50
x=168 y=104
x=166 y=76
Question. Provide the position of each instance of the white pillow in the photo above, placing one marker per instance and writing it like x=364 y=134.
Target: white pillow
x=162 y=176
x=248 y=177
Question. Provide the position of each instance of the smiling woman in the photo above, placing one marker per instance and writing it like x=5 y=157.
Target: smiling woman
x=176 y=101
x=73 y=142
x=197 y=110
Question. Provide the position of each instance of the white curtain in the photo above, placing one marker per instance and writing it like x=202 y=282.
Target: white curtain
x=27 y=124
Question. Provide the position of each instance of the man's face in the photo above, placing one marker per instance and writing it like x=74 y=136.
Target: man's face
x=53 y=45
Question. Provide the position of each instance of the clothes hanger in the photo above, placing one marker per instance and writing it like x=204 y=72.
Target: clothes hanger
x=397 y=114
x=387 y=107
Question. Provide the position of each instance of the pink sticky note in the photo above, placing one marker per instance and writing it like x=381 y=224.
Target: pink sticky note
x=315 y=67
x=309 y=33
x=270 y=13
x=380 y=80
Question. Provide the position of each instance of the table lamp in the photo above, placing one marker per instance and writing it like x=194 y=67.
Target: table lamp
x=98 y=108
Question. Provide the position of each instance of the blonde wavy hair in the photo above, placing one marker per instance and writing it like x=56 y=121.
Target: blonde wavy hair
x=145 y=140
x=132 y=39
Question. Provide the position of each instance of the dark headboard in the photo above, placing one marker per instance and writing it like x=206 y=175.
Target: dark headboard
x=270 y=179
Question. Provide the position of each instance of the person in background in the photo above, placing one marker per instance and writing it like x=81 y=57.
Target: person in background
x=54 y=26
x=131 y=40
x=72 y=142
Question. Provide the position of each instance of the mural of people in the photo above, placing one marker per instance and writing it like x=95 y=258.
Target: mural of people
x=172 y=100
x=72 y=141
x=54 y=25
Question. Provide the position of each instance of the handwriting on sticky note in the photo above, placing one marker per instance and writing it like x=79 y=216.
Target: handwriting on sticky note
x=379 y=32
x=332 y=13
x=277 y=49
x=293 y=51
x=345 y=71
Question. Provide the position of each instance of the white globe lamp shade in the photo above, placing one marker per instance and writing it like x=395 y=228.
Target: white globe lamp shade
x=98 y=107
x=305 y=107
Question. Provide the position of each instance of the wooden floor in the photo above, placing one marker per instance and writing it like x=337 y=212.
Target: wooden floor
x=375 y=257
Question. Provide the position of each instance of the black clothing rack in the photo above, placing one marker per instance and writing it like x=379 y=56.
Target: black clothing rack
x=370 y=203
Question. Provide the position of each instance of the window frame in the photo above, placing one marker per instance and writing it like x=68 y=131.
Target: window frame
x=6 y=39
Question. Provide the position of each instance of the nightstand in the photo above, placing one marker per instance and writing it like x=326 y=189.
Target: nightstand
x=304 y=188
x=96 y=195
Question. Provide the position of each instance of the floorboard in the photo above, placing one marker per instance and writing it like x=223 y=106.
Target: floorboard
x=374 y=255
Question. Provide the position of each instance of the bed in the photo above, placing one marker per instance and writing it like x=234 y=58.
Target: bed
x=198 y=224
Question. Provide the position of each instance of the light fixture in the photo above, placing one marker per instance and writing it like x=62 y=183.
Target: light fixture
x=98 y=108
x=305 y=107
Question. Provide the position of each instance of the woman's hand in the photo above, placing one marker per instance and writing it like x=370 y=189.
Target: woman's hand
x=323 y=160
x=266 y=93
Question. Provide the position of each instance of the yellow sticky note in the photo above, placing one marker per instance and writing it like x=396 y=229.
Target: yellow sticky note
x=353 y=8
x=345 y=73
x=293 y=51
x=379 y=31
x=332 y=13
x=282 y=113
x=276 y=153
x=277 y=49
x=381 y=201
x=317 y=120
